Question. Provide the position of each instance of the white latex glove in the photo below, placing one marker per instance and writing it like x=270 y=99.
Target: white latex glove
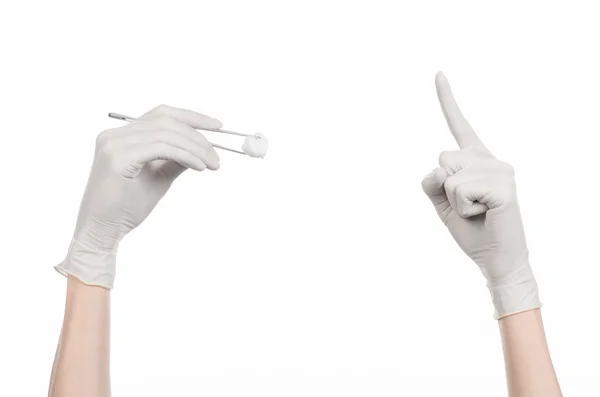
x=475 y=196
x=134 y=166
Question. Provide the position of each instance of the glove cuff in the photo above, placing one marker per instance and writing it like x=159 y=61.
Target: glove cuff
x=515 y=293
x=90 y=266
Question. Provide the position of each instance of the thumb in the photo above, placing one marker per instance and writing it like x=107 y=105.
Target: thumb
x=433 y=186
x=472 y=198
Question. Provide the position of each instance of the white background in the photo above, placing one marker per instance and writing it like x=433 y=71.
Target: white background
x=321 y=270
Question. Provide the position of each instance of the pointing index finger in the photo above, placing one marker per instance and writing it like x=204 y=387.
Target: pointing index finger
x=463 y=133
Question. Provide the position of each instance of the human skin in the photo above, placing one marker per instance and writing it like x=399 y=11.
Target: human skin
x=81 y=365
x=529 y=369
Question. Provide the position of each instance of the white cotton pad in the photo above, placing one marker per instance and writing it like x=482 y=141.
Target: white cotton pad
x=256 y=146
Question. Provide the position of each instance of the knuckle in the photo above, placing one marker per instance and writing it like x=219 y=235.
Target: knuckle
x=107 y=147
x=161 y=109
x=103 y=137
x=444 y=158
x=167 y=122
x=509 y=169
x=162 y=120
x=107 y=141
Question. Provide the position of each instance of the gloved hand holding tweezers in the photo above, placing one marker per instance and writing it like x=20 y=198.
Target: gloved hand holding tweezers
x=134 y=166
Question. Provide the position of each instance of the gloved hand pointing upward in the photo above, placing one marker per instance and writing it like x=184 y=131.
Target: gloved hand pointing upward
x=475 y=196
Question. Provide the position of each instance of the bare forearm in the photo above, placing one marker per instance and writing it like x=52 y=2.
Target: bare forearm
x=81 y=366
x=529 y=369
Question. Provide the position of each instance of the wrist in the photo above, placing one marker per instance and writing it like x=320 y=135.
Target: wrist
x=515 y=293
x=89 y=265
